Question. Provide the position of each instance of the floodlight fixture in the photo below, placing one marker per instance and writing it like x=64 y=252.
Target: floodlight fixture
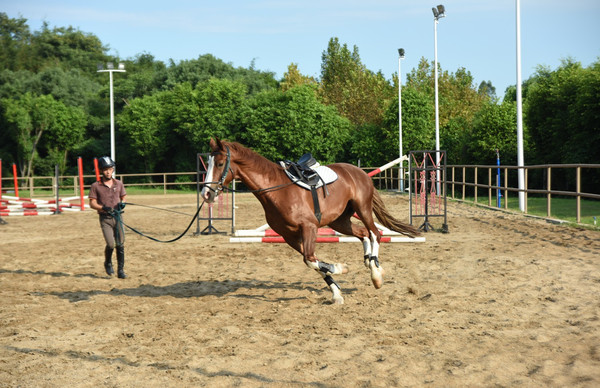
x=121 y=66
x=110 y=66
x=401 y=53
x=439 y=12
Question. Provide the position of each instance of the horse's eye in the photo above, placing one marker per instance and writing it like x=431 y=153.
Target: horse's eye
x=220 y=164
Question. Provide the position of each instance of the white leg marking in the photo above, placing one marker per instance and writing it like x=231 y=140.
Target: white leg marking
x=366 y=250
x=376 y=272
x=375 y=249
x=337 y=295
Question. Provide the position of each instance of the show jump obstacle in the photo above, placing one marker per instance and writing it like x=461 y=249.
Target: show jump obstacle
x=20 y=206
x=428 y=188
x=324 y=235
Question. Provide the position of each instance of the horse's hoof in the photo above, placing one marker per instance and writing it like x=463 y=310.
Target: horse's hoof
x=338 y=300
x=341 y=268
x=377 y=276
x=344 y=268
x=377 y=282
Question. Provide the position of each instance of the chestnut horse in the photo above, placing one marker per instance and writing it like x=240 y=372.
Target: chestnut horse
x=289 y=209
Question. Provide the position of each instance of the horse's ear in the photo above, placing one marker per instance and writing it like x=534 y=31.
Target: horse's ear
x=215 y=144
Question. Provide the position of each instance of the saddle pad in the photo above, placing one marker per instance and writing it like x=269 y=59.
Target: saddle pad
x=327 y=174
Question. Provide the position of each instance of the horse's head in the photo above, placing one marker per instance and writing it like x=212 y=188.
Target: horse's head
x=218 y=172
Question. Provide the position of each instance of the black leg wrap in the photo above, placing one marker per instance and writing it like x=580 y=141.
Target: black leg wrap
x=326 y=267
x=376 y=260
x=329 y=280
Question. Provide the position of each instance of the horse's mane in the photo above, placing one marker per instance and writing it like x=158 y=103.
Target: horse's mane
x=248 y=157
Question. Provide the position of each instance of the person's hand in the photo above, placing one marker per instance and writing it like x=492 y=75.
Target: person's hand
x=107 y=209
x=121 y=206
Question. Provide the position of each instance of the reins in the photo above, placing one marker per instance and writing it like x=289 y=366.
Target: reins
x=120 y=220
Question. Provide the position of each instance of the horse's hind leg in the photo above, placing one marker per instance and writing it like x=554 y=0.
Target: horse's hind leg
x=370 y=246
x=309 y=236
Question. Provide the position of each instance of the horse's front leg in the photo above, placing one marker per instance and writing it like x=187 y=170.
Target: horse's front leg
x=309 y=236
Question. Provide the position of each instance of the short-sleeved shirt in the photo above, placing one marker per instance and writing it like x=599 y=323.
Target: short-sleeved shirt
x=109 y=196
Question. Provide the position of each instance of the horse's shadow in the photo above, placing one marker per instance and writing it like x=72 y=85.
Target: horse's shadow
x=191 y=289
x=198 y=289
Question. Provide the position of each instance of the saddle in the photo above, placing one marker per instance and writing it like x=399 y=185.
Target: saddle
x=309 y=174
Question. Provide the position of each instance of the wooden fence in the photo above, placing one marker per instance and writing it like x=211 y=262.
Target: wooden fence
x=462 y=182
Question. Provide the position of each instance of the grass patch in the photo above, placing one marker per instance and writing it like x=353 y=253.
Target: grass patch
x=561 y=208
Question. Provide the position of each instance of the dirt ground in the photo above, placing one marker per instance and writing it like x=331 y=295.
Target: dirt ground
x=501 y=300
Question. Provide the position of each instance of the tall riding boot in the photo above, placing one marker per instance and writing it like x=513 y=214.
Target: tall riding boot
x=121 y=262
x=108 y=251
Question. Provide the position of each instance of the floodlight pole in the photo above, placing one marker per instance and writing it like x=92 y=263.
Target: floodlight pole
x=520 y=152
x=400 y=149
x=438 y=13
x=110 y=70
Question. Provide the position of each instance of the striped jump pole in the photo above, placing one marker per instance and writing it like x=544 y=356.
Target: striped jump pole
x=325 y=235
x=323 y=239
x=387 y=165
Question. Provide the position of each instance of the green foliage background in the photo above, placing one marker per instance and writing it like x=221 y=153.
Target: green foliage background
x=54 y=106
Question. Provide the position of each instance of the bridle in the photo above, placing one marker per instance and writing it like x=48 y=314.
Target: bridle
x=223 y=175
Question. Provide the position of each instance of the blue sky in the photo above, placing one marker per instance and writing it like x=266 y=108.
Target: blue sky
x=479 y=35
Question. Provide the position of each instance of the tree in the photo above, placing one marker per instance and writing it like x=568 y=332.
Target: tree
x=35 y=121
x=207 y=66
x=562 y=113
x=213 y=108
x=375 y=145
x=357 y=93
x=14 y=43
x=495 y=128
x=66 y=47
x=486 y=88
x=286 y=125
x=293 y=78
x=458 y=103
x=142 y=123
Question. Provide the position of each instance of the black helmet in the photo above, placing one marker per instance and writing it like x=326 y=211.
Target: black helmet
x=105 y=162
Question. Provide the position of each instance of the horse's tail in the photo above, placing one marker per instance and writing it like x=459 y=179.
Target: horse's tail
x=387 y=220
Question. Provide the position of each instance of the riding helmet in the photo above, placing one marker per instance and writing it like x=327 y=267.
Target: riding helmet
x=105 y=162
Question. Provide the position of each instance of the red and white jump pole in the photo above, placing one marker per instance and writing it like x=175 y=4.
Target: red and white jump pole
x=324 y=239
x=324 y=235
x=387 y=165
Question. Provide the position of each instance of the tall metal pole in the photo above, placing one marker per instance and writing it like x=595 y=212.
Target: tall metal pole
x=112 y=122
x=520 y=152
x=437 y=114
x=400 y=148
x=110 y=70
